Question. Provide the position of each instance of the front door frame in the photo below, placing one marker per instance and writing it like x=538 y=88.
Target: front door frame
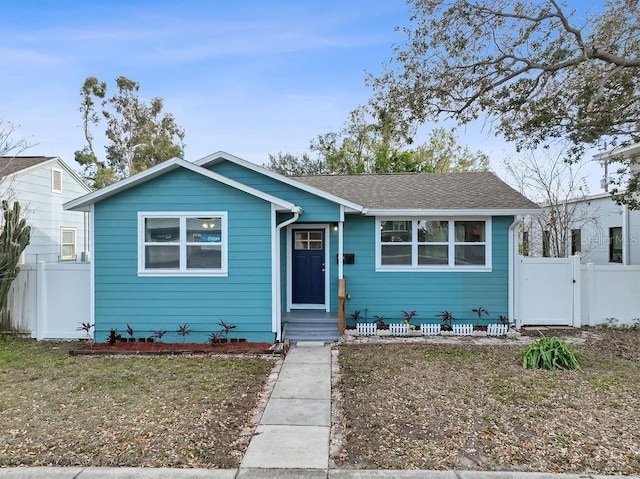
x=327 y=273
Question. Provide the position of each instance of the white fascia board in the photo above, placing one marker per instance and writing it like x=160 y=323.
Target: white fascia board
x=83 y=203
x=443 y=213
x=221 y=155
x=73 y=174
x=283 y=204
x=584 y=199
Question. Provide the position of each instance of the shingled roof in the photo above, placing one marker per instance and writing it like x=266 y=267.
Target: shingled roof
x=423 y=191
x=14 y=164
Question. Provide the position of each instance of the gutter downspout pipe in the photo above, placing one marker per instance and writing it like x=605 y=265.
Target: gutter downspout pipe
x=277 y=310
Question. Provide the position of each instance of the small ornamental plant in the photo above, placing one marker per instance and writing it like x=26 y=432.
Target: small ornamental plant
x=447 y=320
x=380 y=321
x=183 y=330
x=130 y=332
x=114 y=336
x=479 y=312
x=86 y=327
x=221 y=336
x=550 y=353
x=408 y=316
x=158 y=334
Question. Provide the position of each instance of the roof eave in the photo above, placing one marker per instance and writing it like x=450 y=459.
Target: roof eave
x=84 y=202
x=451 y=212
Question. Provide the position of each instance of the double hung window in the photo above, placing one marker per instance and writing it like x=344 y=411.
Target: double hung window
x=183 y=243
x=433 y=243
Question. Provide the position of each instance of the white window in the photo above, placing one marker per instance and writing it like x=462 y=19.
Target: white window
x=67 y=244
x=430 y=244
x=184 y=244
x=56 y=180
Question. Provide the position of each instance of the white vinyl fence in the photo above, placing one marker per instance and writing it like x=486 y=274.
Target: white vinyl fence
x=561 y=291
x=50 y=300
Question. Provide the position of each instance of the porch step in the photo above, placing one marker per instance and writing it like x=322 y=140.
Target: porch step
x=309 y=330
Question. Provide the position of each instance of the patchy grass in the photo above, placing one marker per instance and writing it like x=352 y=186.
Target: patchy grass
x=174 y=411
x=410 y=406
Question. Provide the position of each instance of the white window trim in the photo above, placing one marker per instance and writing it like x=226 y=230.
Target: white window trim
x=452 y=267
x=63 y=230
x=183 y=271
x=53 y=175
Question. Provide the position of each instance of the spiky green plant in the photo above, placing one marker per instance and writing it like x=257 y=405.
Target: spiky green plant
x=14 y=238
x=550 y=353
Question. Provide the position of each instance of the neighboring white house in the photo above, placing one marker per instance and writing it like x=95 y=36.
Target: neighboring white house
x=42 y=184
x=602 y=233
x=594 y=226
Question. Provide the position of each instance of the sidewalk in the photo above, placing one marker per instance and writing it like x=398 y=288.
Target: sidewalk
x=290 y=442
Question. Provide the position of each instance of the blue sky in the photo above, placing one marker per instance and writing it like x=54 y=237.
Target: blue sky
x=245 y=76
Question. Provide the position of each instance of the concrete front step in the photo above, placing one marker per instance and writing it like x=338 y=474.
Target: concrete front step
x=308 y=331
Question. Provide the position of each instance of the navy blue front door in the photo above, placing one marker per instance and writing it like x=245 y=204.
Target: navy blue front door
x=308 y=267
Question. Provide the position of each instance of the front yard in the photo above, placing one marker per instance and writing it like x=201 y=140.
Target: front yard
x=175 y=411
x=408 y=406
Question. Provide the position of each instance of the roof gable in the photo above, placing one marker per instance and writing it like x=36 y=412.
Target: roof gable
x=84 y=202
x=219 y=156
x=19 y=165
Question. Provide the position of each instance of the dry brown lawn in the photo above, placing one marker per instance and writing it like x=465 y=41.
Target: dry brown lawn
x=175 y=411
x=421 y=406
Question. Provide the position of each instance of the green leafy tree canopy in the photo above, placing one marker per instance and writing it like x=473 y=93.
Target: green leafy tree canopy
x=540 y=70
x=376 y=143
x=138 y=134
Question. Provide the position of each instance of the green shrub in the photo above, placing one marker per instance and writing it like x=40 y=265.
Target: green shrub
x=550 y=353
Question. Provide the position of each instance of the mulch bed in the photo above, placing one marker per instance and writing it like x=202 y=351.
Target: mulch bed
x=122 y=347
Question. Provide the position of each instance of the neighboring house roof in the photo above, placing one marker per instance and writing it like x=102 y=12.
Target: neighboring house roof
x=424 y=191
x=14 y=164
x=17 y=165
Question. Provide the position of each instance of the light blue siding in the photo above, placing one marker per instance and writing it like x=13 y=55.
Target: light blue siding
x=44 y=212
x=428 y=293
x=314 y=208
x=163 y=303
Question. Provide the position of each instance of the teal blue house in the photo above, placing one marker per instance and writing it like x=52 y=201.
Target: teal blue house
x=225 y=239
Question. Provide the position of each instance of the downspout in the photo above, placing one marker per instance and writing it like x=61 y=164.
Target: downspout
x=277 y=274
x=513 y=257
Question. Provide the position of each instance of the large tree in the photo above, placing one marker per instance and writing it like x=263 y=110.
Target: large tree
x=138 y=134
x=375 y=143
x=539 y=69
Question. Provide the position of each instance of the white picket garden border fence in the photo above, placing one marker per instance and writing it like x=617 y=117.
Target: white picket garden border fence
x=497 y=329
x=399 y=329
x=430 y=329
x=367 y=329
x=463 y=329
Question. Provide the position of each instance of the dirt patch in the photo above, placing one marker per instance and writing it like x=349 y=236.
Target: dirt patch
x=444 y=406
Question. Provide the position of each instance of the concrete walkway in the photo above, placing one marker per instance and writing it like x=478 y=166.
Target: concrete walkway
x=290 y=442
x=295 y=427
